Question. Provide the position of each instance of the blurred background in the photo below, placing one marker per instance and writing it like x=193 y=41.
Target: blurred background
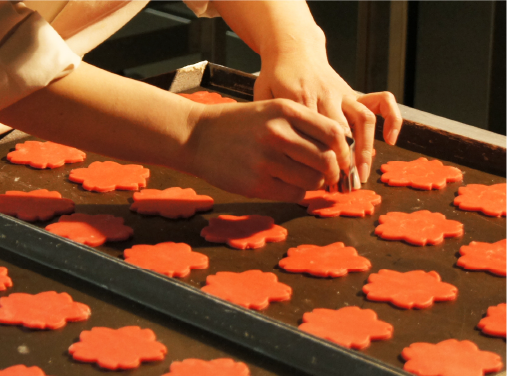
x=443 y=57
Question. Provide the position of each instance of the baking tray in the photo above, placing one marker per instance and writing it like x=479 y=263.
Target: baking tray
x=273 y=332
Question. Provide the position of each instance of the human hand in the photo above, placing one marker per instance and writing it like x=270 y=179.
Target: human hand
x=275 y=149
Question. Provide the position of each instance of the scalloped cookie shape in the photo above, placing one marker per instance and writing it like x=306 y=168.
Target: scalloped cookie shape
x=172 y=202
x=38 y=205
x=109 y=176
x=170 y=259
x=449 y=358
x=350 y=327
x=418 y=228
x=487 y=199
x=207 y=97
x=5 y=280
x=489 y=257
x=251 y=289
x=353 y=204
x=413 y=289
x=123 y=348
x=22 y=370
x=333 y=260
x=45 y=310
x=92 y=230
x=42 y=155
x=419 y=174
x=243 y=232
x=216 y=367
x=494 y=323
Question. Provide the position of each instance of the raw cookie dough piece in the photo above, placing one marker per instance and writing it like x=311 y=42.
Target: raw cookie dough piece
x=216 y=367
x=92 y=230
x=5 y=280
x=41 y=155
x=170 y=259
x=333 y=260
x=418 y=228
x=243 y=232
x=109 y=176
x=208 y=97
x=122 y=348
x=488 y=199
x=484 y=256
x=45 y=310
x=351 y=327
x=494 y=323
x=413 y=289
x=354 y=204
x=419 y=174
x=22 y=370
x=171 y=202
x=39 y=205
x=449 y=358
x=251 y=289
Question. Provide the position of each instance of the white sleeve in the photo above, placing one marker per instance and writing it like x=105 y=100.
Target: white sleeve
x=202 y=8
x=32 y=53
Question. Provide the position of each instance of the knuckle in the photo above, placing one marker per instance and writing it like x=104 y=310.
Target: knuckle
x=388 y=96
x=367 y=116
x=328 y=160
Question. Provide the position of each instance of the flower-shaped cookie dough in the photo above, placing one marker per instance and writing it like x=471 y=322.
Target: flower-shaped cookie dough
x=418 y=228
x=243 y=232
x=333 y=260
x=251 y=289
x=45 y=154
x=449 y=358
x=198 y=367
x=171 y=259
x=488 y=199
x=171 y=202
x=414 y=289
x=420 y=174
x=5 y=280
x=92 y=230
x=354 y=204
x=45 y=310
x=494 y=323
x=39 y=205
x=484 y=256
x=351 y=327
x=108 y=176
x=22 y=370
x=123 y=348
x=208 y=97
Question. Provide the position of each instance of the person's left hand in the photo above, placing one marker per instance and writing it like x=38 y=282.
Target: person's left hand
x=306 y=77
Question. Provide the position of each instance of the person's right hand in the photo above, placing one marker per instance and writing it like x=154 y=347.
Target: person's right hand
x=275 y=149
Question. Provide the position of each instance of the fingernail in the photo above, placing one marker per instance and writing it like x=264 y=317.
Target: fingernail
x=393 y=136
x=364 y=172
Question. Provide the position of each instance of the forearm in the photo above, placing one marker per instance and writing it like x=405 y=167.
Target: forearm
x=101 y=112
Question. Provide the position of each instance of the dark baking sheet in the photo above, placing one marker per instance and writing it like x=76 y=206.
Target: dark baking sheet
x=477 y=290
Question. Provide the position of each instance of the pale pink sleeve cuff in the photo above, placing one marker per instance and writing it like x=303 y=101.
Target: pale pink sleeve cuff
x=202 y=8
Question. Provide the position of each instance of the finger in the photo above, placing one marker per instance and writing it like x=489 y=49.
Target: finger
x=364 y=131
x=277 y=190
x=333 y=110
x=384 y=104
x=262 y=90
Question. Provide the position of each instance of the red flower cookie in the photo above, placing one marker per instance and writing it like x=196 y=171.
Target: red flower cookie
x=22 y=370
x=171 y=259
x=420 y=174
x=484 y=256
x=207 y=97
x=243 y=232
x=251 y=289
x=123 y=348
x=414 y=289
x=216 y=367
x=449 y=358
x=354 y=204
x=494 y=323
x=171 y=202
x=45 y=310
x=418 y=228
x=108 y=176
x=45 y=154
x=489 y=199
x=333 y=260
x=92 y=230
x=5 y=280
x=39 y=205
